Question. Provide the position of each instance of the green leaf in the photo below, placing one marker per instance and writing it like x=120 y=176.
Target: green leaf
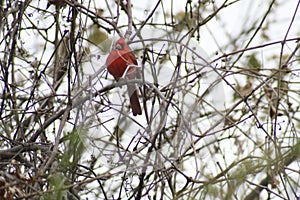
x=74 y=149
x=57 y=184
x=97 y=36
x=253 y=62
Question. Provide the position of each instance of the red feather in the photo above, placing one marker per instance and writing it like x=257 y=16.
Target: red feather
x=121 y=62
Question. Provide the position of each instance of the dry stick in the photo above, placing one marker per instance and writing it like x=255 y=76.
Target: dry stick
x=253 y=48
x=211 y=16
x=129 y=14
x=280 y=67
x=77 y=184
x=243 y=99
x=93 y=14
x=10 y=59
x=57 y=66
x=78 y=100
x=43 y=104
x=7 y=154
x=292 y=156
x=263 y=82
x=141 y=177
x=16 y=26
x=57 y=139
x=35 y=85
x=235 y=90
x=256 y=31
x=108 y=8
x=147 y=19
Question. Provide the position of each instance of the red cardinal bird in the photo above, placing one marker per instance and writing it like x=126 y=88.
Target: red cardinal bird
x=121 y=63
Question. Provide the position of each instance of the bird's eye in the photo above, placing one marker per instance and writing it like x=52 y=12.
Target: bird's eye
x=120 y=46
